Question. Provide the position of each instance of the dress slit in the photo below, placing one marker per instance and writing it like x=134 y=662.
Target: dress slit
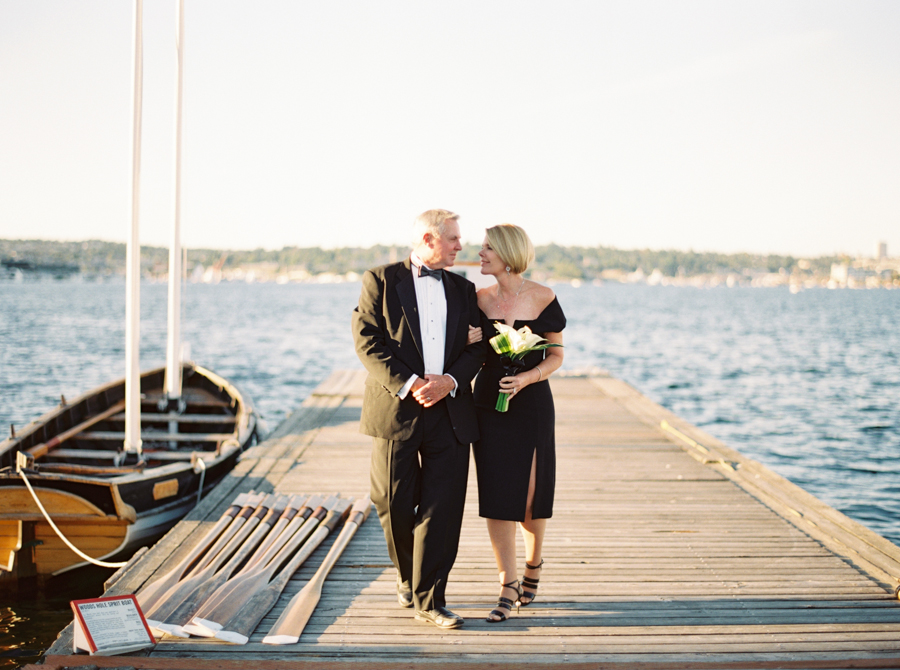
x=534 y=469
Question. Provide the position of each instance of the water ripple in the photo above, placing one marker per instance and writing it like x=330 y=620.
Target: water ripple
x=808 y=384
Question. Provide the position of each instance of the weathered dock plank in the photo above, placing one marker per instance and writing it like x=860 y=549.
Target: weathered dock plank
x=667 y=550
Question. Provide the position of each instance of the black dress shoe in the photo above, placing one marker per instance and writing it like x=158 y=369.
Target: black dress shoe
x=440 y=617
x=404 y=593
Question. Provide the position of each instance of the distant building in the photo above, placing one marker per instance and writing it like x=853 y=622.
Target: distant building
x=839 y=273
x=472 y=272
x=881 y=253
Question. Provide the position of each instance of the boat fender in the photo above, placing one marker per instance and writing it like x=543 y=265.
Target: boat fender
x=199 y=469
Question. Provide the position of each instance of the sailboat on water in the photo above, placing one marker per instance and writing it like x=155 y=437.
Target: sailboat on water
x=114 y=469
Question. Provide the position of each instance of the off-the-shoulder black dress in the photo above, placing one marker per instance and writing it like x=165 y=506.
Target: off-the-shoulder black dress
x=503 y=455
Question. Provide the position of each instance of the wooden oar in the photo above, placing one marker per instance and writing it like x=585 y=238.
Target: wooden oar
x=244 y=622
x=176 y=595
x=149 y=594
x=294 y=505
x=39 y=450
x=293 y=620
x=253 y=502
x=231 y=596
x=206 y=624
x=195 y=599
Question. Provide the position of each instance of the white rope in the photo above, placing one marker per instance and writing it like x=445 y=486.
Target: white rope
x=62 y=537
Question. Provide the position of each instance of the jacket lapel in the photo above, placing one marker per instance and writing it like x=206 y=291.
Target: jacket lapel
x=406 y=290
x=454 y=310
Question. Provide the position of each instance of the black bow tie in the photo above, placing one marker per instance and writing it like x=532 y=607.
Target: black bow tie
x=425 y=272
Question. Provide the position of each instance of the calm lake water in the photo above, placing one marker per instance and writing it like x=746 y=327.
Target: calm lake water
x=808 y=383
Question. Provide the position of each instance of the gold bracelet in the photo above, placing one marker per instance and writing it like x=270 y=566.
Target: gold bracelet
x=540 y=372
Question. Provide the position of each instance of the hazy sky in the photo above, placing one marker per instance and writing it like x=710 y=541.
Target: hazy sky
x=764 y=126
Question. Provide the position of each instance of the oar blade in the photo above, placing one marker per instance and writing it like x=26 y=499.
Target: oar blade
x=291 y=623
x=242 y=624
x=199 y=628
x=231 y=636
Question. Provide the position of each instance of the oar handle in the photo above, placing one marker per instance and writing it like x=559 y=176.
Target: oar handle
x=360 y=511
x=354 y=516
x=292 y=519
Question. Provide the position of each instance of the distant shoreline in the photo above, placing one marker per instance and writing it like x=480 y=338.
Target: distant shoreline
x=94 y=260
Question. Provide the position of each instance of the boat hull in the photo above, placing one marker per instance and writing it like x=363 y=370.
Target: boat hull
x=100 y=499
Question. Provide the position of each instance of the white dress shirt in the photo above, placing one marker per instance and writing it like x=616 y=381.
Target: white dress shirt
x=432 y=304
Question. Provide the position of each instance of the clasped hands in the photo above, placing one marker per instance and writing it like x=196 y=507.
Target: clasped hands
x=432 y=389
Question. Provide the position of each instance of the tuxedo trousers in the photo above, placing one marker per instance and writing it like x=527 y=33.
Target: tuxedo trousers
x=419 y=491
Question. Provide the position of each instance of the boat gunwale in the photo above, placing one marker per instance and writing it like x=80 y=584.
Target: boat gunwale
x=245 y=422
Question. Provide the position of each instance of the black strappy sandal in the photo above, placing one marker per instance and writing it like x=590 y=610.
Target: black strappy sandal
x=505 y=603
x=530 y=583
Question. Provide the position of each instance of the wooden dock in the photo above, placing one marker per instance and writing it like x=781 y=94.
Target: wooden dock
x=667 y=550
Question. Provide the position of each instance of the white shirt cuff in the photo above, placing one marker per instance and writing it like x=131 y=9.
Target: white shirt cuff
x=455 y=386
x=408 y=385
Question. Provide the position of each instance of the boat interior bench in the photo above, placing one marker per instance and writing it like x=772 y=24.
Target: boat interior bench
x=181 y=418
x=107 y=455
x=193 y=399
x=157 y=437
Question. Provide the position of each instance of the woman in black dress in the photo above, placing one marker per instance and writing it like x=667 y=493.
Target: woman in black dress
x=515 y=457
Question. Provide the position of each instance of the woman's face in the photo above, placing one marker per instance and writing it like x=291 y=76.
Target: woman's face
x=490 y=261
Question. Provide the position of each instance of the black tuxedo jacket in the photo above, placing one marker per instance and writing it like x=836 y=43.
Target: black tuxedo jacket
x=389 y=344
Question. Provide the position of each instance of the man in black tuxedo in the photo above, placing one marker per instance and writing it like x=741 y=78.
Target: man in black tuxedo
x=411 y=328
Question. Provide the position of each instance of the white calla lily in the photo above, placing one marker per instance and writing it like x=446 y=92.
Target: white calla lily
x=515 y=344
x=529 y=339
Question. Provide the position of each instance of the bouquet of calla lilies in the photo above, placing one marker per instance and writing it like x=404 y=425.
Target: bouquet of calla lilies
x=512 y=345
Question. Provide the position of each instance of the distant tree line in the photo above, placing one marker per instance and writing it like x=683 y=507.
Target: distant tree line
x=552 y=260
x=586 y=262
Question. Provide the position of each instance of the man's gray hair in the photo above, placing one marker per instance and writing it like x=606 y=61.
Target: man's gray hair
x=433 y=221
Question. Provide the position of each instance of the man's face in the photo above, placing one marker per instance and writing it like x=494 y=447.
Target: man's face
x=443 y=249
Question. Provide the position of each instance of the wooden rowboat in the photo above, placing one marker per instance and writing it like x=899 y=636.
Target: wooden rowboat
x=106 y=501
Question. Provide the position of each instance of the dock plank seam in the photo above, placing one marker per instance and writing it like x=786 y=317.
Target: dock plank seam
x=798 y=507
x=660 y=560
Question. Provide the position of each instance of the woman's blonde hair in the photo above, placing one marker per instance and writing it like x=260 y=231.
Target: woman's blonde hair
x=512 y=245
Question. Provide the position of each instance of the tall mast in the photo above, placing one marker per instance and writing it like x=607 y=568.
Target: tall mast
x=133 y=255
x=173 y=343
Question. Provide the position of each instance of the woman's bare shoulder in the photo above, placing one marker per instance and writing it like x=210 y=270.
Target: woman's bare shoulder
x=484 y=291
x=484 y=297
x=542 y=295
